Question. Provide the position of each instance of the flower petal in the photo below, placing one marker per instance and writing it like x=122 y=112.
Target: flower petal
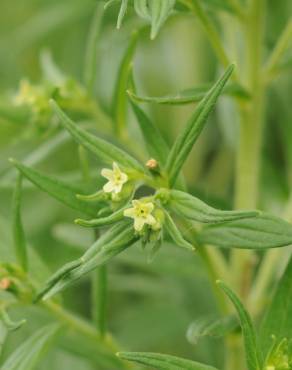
x=150 y=220
x=109 y=187
x=130 y=212
x=139 y=223
x=148 y=207
x=108 y=174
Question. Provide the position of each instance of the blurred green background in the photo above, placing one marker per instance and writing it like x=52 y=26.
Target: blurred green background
x=150 y=305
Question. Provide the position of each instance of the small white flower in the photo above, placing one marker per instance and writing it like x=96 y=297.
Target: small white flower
x=141 y=213
x=116 y=179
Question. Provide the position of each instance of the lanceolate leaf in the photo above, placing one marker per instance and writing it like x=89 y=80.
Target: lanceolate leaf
x=163 y=362
x=155 y=143
x=113 y=242
x=252 y=351
x=61 y=191
x=191 y=95
x=102 y=221
x=120 y=99
x=193 y=208
x=141 y=8
x=175 y=234
x=102 y=149
x=28 y=354
x=278 y=319
x=259 y=232
x=160 y=10
x=17 y=228
x=190 y=133
x=212 y=326
x=122 y=12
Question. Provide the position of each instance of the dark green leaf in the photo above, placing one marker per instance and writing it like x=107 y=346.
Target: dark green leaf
x=26 y=356
x=191 y=95
x=120 y=98
x=61 y=191
x=175 y=234
x=190 y=133
x=99 y=147
x=156 y=146
x=163 y=362
x=113 y=242
x=17 y=227
x=252 y=351
x=190 y=207
x=278 y=319
x=259 y=232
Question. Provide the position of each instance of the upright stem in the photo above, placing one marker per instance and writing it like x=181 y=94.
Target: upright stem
x=248 y=158
x=99 y=299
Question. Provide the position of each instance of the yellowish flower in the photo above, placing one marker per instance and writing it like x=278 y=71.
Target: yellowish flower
x=116 y=179
x=141 y=213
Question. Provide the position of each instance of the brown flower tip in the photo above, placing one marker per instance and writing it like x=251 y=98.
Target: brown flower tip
x=5 y=283
x=152 y=164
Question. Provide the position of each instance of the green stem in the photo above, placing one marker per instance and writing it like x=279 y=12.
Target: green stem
x=210 y=30
x=99 y=298
x=90 y=66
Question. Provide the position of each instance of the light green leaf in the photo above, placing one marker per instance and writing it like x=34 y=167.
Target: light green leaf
x=58 y=189
x=113 y=242
x=9 y=324
x=260 y=232
x=191 y=95
x=212 y=326
x=102 y=221
x=142 y=10
x=122 y=12
x=120 y=98
x=102 y=149
x=278 y=318
x=160 y=10
x=26 y=356
x=188 y=206
x=190 y=133
x=155 y=143
x=253 y=355
x=17 y=227
x=175 y=234
x=163 y=362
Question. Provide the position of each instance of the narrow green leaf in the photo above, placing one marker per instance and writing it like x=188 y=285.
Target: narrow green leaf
x=259 y=232
x=58 y=189
x=212 y=326
x=175 y=234
x=27 y=355
x=102 y=221
x=10 y=325
x=190 y=133
x=190 y=207
x=17 y=227
x=120 y=99
x=278 y=318
x=97 y=196
x=191 y=95
x=253 y=355
x=163 y=362
x=142 y=10
x=122 y=12
x=99 y=147
x=160 y=10
x=113 y=242
x=155 y=143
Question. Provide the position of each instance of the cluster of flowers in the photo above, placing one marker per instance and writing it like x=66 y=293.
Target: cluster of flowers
x=143 y=211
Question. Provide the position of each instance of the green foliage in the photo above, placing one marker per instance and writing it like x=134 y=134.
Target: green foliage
x=164 y=362
x=29 y=352
x=252 y=351
x=138 y=188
